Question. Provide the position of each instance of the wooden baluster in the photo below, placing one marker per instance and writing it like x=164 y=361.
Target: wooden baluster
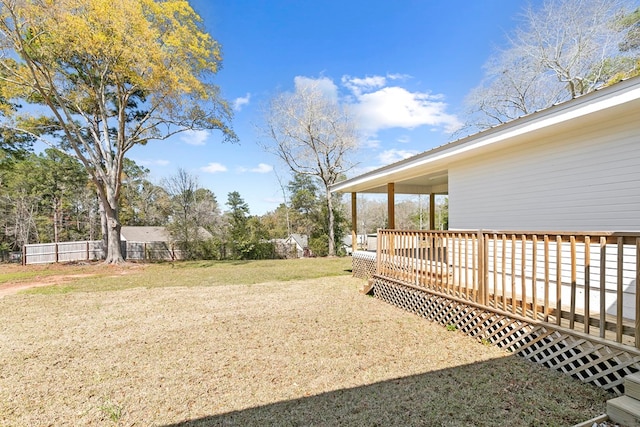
x=495 y=270
x=523 y=274
x=559 y=280
x=587 y=283
x=504 y=272
x=546 y=278
x=620 y=289
x=514 y=299
x=603 y=286
x=466 y=265
x=474 y=271
x=573 y=283
x=534 y=281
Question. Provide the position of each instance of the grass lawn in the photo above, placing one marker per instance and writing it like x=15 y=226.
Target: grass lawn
x=287 y=343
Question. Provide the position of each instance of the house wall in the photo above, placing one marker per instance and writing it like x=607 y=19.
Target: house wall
x=584 y=180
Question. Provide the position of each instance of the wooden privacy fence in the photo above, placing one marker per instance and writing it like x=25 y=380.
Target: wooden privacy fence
x=583 y=282
x=46 y=253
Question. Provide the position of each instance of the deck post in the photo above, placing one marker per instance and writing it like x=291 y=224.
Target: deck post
x=354 y=222
x=391 y=205
x=432 y=211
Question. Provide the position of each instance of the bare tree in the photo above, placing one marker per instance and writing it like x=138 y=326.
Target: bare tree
x=514 y=86
x=193 y=207
x=314 y=135
x=564 y=49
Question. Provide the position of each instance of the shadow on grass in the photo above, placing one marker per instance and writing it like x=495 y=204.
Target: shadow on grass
x=506 y=391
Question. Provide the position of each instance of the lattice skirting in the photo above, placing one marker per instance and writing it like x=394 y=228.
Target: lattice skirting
x=363 y=264
x=589 y=361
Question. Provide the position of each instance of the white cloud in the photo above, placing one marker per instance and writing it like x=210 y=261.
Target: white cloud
x=240 y=102
x=262 y=168
x=214 y=168
x=393 y=155
x=379 y=105
x=194 y=137
x=393 y=106
x=358 y=85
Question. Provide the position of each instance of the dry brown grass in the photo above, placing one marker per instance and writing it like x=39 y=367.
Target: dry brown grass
x=297 y=352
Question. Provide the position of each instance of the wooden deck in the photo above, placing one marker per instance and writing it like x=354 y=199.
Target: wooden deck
x=585 y=280
x=565 y=300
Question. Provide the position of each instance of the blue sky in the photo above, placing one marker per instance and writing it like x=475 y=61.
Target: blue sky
x=406 y=67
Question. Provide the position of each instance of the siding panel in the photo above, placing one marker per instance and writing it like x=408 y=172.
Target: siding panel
x=588 y=180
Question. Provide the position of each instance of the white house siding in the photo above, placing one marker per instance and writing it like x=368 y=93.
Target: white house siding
x=586 y=180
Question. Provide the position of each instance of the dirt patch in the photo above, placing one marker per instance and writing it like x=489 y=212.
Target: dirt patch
x=56 y=274
x=14 y=287
x=313 y=352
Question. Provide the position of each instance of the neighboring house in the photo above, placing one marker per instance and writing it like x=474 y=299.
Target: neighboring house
x=298 y=243
x=571 y=167
x=146 y=242
x=294 y=246
x=362 y=243
x=144 y=234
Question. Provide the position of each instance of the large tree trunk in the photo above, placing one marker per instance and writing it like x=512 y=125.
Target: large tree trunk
x=110 y=208
x=114 y=250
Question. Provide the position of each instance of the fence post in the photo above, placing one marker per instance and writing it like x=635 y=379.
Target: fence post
x=24 y=254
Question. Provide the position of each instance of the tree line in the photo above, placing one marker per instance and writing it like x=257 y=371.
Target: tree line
x=49 y=197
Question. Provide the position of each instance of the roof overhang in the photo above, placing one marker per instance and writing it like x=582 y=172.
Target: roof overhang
x=428 y=172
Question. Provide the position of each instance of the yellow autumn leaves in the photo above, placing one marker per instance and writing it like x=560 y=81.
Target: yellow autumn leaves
x=156 y=46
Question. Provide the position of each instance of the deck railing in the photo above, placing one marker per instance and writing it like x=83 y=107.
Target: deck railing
x=583 y=282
